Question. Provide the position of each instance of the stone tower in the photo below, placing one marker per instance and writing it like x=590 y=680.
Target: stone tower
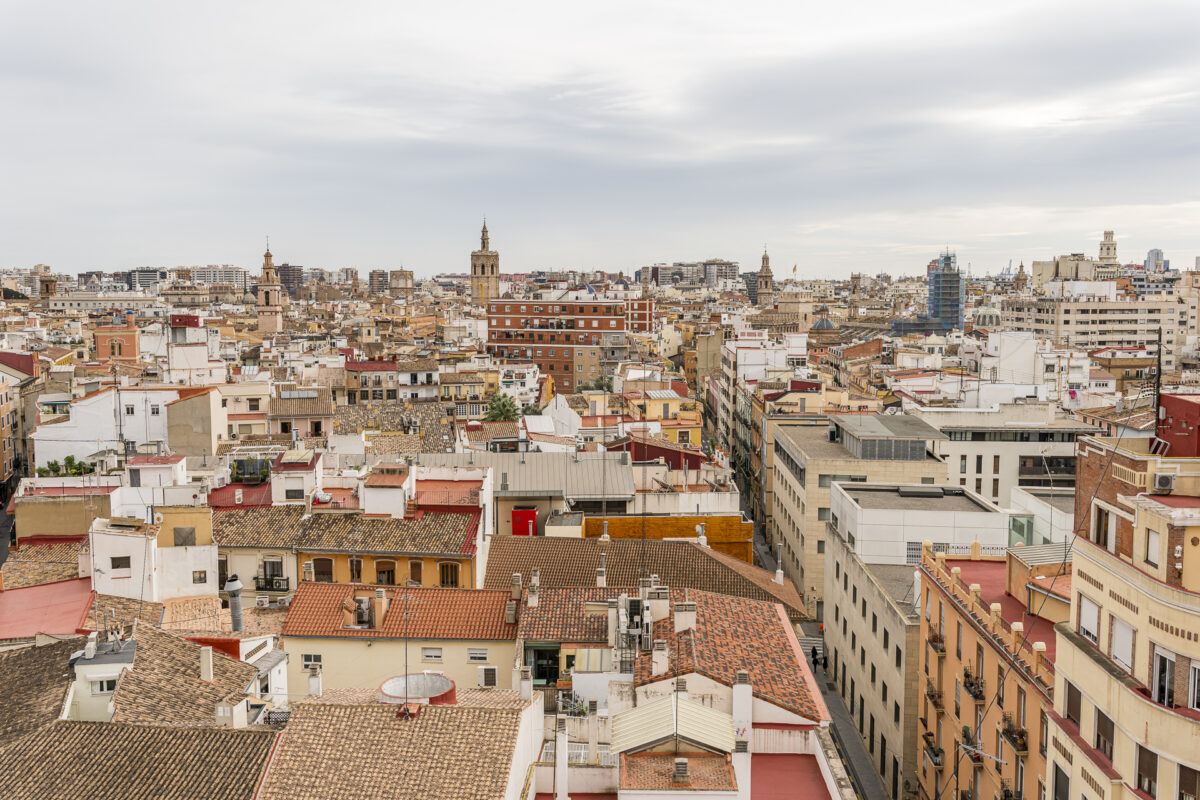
x=766 y=283
x=1108 y=249
x=270 y=298
x=485 y=271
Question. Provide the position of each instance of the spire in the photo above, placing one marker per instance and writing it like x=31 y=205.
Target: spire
x=766 y=261
x=483 y=239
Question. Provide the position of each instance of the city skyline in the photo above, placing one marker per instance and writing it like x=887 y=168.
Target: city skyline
x=846 y=139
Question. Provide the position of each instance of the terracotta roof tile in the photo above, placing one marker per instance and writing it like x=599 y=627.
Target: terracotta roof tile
x=164 y=688
x=732 y=633
x=447 y=752
x=561 y=615
x=567 y=562
x=106 y=761
x=34 y=681
x=656 y=771
x=433 y=613
x=30 y=565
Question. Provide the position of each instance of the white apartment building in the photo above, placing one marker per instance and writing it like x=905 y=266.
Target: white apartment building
x=1089 y=315
x=1020 y=357
x=753 y=357
x=104 y=420
x=997 y=449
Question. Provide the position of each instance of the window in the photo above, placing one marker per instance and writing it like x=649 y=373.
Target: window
x=184 y=536
x=958 y=642
x=1164 y=677
x=1189 y=783
x=1151 y=547
x=898 y=657
x=896 y=713
x=823 y=513
x=253 y=403
x=872 y=669
x=1147 y=771
x=385 y=572
x=882 y=691
x=129 y=411
x=308 y=660
x=154 y=411
x=874 y=623
x=431 y=654
x=199 y=576
x=962 y=463
x=1104 y=735
x=1089 y=619
x=886 y=636
x=323 y=570
x=356 y=570
x=121 y=566
x=1104 y=527
x=1074 y=701
x=1000 y=685
x=995 y=465
x=1043 y=731
x=448 y=575
x=1122 y=642
x=820 y=545
x=979 y=463
x=104 y=686
x=477 y=655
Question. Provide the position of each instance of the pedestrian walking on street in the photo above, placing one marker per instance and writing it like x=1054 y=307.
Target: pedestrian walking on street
x=814 y=655
x=825 y=662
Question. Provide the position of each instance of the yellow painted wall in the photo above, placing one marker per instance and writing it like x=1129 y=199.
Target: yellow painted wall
x=352 y=664
x=198 y=517
x=59 y=516
x=726 y=534
x=429 y=568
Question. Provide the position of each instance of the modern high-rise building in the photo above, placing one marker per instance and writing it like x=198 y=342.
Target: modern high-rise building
x=946 y=301
x=485 y=271
x=1155 y=261
x=377 y=281
x=291 y=276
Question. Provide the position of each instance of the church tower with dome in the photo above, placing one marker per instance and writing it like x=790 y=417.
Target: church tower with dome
x=766 y=283
x=270 y=297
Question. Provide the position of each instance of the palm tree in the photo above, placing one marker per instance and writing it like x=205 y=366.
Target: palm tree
x=502 y=408
x=531 y=410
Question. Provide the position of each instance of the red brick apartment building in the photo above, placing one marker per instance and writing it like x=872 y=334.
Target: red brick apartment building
x=567 y=339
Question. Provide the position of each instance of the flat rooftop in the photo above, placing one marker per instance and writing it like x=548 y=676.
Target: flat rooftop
x=886 y=426
x=915 y=498
x=992 y=577
x=895 y=579
x=1059 y=501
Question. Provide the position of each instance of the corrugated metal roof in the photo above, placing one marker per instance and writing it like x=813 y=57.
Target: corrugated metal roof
x=666 y=717
x=1038 y=554
x=885 y=426
x=573 y=475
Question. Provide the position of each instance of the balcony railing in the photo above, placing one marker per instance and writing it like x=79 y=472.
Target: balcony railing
x=932 y=750
x=278 y=583
x=935 y=696
x=1016 y=736
x=937 y=643
x=974 y=686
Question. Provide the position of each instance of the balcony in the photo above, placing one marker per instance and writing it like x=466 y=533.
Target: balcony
x=1015 y=736
x=974 y=686
x=1007 y=792
x=271 y=583
x=937 y=643
x=934 y=752
x=935 y=697
x=968 y=745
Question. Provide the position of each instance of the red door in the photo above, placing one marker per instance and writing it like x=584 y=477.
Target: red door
x=524 y=521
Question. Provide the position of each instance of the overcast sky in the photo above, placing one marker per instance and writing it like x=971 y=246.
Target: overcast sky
x=845 y=136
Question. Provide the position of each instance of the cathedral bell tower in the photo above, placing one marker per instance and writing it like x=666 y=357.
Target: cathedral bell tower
x=766 y=283
x=485 y=271
x=270 y=297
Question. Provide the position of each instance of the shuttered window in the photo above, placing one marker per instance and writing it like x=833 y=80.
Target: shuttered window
x=1122 y=643
x=1089 y=619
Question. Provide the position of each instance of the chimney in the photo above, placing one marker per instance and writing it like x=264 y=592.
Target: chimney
x=510 y=612
x=531 y=597
x=700 y=535
x=535 y=577
x=593 y=732
x=685 y=617
x=516 y=586
x=314 y=681
x=89 y=650
x=612 y=622
x=743 y=701
x=643 y=588
x=233 y=588
x=206 y=664
x=601 y=578
x=660 y=602
x=681 y=688
x=741 y=768
x=681 y=771
x=660 y=659
x=379 y=607
x=526 y=683
x=308 y=570
x=561 y=758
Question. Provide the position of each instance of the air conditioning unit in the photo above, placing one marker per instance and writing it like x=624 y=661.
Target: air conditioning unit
x=488 y=676
x=262 y=601
x=1164 y=483
x=279 y=584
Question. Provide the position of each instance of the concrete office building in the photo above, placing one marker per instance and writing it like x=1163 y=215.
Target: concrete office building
x=852 y=448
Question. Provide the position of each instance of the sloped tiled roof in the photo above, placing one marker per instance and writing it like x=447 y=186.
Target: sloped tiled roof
x=445 y=752
x=302 y=401
x=107 y=761
x=34 y=683
x=30 y=565
x=732 y=633
x=122 y=610
x=655 y=772
x=272 y=527
x=164 y=687
x=567 y=562
x=433 y=613
x=561 y=615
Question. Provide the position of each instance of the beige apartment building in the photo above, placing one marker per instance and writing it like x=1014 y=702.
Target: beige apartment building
x=1126 y=722
x=809 y=459
x=1095 y=317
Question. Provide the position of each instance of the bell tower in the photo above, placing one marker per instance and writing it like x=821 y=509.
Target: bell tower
x=270 y=297
x=485 y=271
x=766 y=283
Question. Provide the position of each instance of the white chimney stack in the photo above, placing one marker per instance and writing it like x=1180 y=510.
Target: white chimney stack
x=779 y=575
x=526 y=683
x=531 y=597
x=660 y=660
x=612 y=622
x=314 y=681
x=560 y=760
x=743 y=701
x=206 y=664
x=741 y=768
x=89 y=650
x=685 y=617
